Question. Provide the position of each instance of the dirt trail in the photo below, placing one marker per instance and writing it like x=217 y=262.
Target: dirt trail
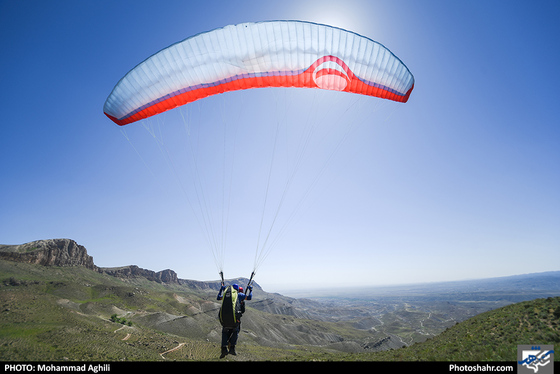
x=171 y=350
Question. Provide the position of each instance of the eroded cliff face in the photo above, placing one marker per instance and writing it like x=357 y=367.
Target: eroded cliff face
x=133 y=271
x=66 y=252
x=49 y=252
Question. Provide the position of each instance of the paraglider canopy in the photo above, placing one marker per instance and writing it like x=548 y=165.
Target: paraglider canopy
x=252 y=55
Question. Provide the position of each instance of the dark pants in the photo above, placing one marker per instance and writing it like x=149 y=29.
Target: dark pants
x=230 y=335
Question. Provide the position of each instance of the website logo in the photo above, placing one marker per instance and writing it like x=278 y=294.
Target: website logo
x=534 y=359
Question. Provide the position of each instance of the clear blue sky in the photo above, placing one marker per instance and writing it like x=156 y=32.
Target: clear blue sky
x=463 y=181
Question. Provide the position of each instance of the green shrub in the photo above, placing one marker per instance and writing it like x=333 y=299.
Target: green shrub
x=121 y=320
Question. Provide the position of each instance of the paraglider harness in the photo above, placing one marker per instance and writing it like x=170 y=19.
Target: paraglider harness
x=232 y=307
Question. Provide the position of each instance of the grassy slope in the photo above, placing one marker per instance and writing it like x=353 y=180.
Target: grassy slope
x=50 y=313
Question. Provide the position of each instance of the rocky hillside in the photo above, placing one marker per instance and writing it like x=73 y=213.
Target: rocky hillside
x=66 y=252
x=133 y=271
x=51 y=252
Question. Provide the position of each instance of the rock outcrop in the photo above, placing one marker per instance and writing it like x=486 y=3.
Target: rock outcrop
x=50 y=252
x=133 y=271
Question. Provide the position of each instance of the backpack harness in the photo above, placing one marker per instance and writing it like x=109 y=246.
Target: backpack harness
x=231 y=309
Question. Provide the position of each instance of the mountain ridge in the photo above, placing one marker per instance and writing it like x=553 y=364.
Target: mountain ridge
x=67 y=252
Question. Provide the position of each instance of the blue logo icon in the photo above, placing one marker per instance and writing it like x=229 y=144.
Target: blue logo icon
x=535 y=359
